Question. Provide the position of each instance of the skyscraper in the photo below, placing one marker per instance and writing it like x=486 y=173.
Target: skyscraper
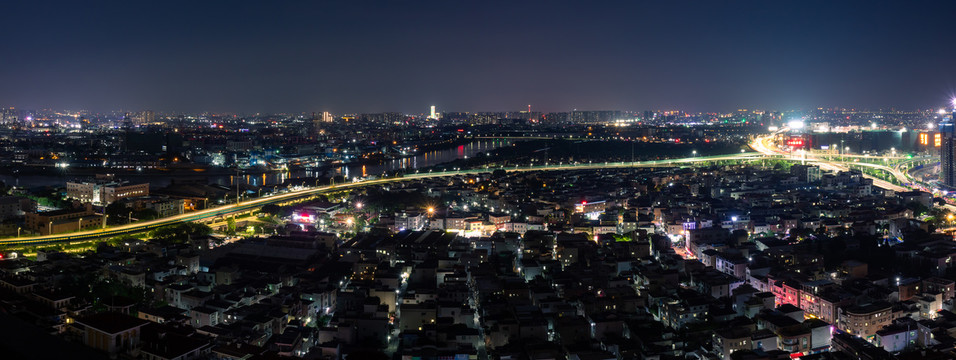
x=947 y=153
x=433 y=115
x=143 y=117
x=127 y=129
x=315 y=126
x=9 y=116
x=127 y=122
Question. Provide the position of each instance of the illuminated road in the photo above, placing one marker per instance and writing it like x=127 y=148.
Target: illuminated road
x=764 y=145
x=82 y=236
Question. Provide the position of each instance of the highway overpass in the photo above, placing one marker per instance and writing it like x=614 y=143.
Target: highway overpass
x=765 y=151
x=254 y=204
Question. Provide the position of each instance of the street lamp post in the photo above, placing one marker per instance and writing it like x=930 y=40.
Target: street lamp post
x=237 y=185
x=50 y=232
x=130 y=217
x=79 y=224
x=105 y=215
x=18 y=231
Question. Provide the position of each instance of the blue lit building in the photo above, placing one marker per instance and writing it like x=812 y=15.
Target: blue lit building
x=947 y=154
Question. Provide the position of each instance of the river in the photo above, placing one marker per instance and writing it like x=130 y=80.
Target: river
x=410 y=163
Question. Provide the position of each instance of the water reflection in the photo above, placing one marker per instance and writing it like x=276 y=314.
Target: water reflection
x=423 y=160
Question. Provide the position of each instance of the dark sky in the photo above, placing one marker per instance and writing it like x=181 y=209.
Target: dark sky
x=368 y=56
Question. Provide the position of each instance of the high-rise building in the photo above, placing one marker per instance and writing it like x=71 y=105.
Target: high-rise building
x=143 y=117
x=432 y=114
x=456 y=117
x=592 y=117
x=316 y=124
x=127 y=122
x=557 y=118
x=382 y=118
x=9 y=116
x=947 y=153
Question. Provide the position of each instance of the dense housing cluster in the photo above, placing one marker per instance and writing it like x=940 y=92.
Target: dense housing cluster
x=758 y=261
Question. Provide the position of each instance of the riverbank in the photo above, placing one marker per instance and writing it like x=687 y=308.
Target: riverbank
x=434 y=153
x=582 y=151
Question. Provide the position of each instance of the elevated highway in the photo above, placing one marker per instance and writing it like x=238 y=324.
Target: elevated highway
x=254 y=204
x=763 y=146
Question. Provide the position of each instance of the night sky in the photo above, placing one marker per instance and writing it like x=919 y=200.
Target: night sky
x=371 y=56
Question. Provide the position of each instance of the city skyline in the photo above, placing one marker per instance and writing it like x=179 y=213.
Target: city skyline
x=369 y=57
x=120 y=113
x=567 y=180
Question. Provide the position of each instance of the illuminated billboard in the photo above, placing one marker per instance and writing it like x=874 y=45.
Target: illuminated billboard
x=796 y=142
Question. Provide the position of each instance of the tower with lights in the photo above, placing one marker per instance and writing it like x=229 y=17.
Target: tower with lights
x=947 y=153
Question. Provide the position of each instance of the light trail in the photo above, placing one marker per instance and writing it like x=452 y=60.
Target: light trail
x=88 y=235
x=762 y=144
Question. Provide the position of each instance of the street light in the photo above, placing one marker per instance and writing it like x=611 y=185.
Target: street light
x=18 y=231
x=237 y=185
x=130 y=216
x=79 y=224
